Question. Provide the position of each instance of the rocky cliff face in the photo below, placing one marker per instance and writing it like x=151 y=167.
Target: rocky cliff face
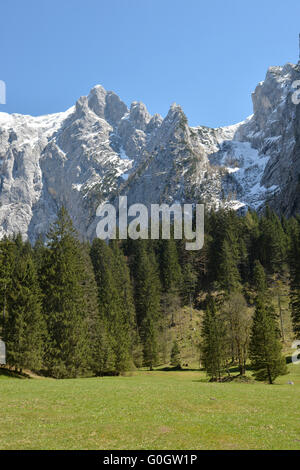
x=99 y=149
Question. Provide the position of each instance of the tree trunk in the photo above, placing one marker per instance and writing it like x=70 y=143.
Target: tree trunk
x=269 y=375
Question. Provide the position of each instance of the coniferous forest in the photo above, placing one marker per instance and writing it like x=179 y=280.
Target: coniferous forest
x=71 y=308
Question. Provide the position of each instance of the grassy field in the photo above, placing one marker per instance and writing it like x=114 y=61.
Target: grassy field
x=149 y=410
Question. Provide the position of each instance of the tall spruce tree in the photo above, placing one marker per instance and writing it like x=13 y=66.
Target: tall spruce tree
x=266 y=356
x=24 y=327
x=259 y=278
x=112 y=304
x=147 y=293
x=189 y=284
x=294 y=258
x=175 y=359
x=101 y=355
x=229 y=276
x=67 y=351
x=171 y=279
x=271 y=244
x=171 y=276
x=7 y=263
x=212 y=343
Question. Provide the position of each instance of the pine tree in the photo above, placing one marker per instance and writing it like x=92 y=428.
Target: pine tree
x=171 y=276
x=259 y=278
x=271 y=245
x=175 y=359
x=229 y=276
x=67 y=351
x=39 y=252
x=101 y=357
x=189 y=284
x=7 y=262
x=224 y=252
x=212 y=345
x=294 y=258
x=294 y=262
x=24 y=328
x=125 y=290
x=215 y=227
x=266 y=356
x=149 y=333
x=147 y=291
x=114 y=301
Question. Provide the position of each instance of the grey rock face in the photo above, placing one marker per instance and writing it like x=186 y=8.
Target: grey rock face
x=139 y=115
x=99 y=149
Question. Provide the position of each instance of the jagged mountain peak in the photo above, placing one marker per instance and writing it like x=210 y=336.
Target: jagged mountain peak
x=99 y=149
x=139 y=115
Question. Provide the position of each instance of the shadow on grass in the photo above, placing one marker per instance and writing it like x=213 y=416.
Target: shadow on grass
x=177 y=369
x=11 y=374
x=240 y=379
x=288 y=359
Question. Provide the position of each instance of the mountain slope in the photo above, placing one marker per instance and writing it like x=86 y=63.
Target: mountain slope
x=99 y=149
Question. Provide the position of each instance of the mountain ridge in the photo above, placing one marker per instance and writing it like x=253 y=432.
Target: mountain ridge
x=100 y=148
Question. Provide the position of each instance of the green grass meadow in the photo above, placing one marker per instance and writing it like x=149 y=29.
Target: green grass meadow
x=149 y=410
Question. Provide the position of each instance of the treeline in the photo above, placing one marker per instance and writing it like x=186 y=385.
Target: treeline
x=72 y=308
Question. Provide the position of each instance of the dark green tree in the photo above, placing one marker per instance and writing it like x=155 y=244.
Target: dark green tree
x=114 y=301
x=294 y=258
x=171 y=276
x=147 y=293
x=24 y=328
x=101 y=355
x=175 y=359
x=7 y=263
x=272 y=242
x=64 y=305
x=212 y=344
x=229 y=276
x=266 y=356
x=189 y=284
x=259 y=278
x=125 y=290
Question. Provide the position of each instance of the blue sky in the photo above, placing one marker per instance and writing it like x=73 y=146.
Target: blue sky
x=206 y=56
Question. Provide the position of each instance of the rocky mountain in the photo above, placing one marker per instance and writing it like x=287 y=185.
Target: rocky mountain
x=100 y=149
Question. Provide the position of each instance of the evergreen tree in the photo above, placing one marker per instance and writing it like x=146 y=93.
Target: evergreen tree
x=271 y=244
x=212 y=345
x=147 y=292
x=115 y=311
x=7 y=263
x=39 y=252
x=189 y=284
x=125 y=290
x=101 y=355
x=24 y=327
x=149 y=331
x=64 y=306
x=295 y=279
x=229 y=276
x=175 y=360
x=171 y=276
x=266 y=356
x=259 y=278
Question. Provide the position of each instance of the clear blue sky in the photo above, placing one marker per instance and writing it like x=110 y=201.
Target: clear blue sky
x=207 y=55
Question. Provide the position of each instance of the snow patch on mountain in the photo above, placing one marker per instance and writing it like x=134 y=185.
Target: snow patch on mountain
x=100 y=149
